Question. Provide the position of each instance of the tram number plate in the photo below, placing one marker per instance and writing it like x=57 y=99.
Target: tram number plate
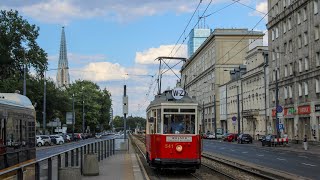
x=178 y=139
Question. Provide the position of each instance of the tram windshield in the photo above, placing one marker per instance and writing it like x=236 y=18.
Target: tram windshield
x=179 y=124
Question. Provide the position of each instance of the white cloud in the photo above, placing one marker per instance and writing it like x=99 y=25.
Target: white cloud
x=62 y=12
x=148 y=56
x=261 y=9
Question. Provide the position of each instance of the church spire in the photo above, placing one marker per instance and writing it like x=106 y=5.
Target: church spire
x=63 y=78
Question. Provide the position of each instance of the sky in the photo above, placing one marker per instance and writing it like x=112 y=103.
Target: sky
x=115 y=42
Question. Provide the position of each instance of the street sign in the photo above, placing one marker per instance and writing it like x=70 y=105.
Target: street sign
x=69 y=118
x=281 y=127
x=234 y=120
x=279 y=109
x=280 y=115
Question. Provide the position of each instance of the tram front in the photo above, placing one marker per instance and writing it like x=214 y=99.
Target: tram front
x=172 y=132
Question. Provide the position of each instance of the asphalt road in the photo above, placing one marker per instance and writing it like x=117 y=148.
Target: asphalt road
x=303 y=164
x=51 y=150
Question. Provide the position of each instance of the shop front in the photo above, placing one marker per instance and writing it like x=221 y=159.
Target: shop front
x=288 y=114
x=304 y=127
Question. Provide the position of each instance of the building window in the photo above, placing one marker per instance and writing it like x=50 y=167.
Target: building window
x=289 y=24
x=272 y=35
x=316 y=32
x=304 y=13
x=306 y=63
x=290 y=69
x=290 y=92
x=284 y=27
x=300 y=65
x=277 y=32
x=290 y=46
x=318 y=58
x=285 y=93
x=285 y=48
x=317 y=86
x=306 y=88
x=273 y=95
x=285 y=71
x=315 y=6
x=299 y=41
x=299 y=89
x=278 y=53
x=305 y=38
x=299 y=17
x=274 y=75
x=274 y=56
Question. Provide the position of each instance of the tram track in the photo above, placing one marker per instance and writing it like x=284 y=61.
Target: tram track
x=205 y=171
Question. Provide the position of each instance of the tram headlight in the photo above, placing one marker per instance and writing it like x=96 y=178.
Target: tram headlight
x=178 y=148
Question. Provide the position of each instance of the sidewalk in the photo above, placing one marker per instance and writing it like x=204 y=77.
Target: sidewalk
x=312 y=148
x=122 y=165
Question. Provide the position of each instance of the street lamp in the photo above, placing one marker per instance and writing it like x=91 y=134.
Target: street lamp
x=83 y=121
x=73 y=117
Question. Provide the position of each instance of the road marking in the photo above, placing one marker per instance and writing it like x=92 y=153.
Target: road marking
x=260 y=155
x=244 y=152
x=303 y=156
x=281 y=159
x=222 y=148
x=308 y=164
x=232 y=149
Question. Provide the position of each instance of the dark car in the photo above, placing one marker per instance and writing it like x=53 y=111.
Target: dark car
x=244 y=138
x=53 y=139
x=268 y=140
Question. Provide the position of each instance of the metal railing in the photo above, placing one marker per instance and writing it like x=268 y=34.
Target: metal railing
x=48 y=167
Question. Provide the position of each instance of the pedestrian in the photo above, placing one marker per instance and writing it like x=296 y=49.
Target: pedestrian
x=305 y=142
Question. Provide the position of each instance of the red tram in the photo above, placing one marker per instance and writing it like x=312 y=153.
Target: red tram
x=172 y=132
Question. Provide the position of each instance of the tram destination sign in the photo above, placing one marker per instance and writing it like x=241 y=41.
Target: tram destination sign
x=178 y=93
x=179 y=139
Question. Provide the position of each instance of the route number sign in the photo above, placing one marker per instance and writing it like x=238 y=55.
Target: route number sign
x=178 y=93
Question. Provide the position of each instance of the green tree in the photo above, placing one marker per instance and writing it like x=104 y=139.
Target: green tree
x=105 y=109
x=18 y=45
x=118 y=122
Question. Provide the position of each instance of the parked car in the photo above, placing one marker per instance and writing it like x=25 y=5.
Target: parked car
x=261 y=137
x=225 y=136
x=244 y=138
x=46 y=139
x=57 y=139
x=40 y=142
x=268 y=140
x=53 y=140
x=66 y=137
x=98 y=135
x=211 y=136
x=219 y=136
x=232 y=137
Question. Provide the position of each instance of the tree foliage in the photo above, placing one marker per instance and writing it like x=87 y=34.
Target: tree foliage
x=132 y=122
x=18 y=45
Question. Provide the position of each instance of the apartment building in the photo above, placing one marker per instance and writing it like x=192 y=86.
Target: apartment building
x=294 y=46
x=209 y=66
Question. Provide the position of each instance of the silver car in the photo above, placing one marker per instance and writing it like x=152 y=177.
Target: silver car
x=46 y=139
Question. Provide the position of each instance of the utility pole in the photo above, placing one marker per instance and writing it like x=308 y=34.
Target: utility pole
x=265 y=90
x=215 y=116
x=203 y=128
x=277 y=102
x=24 y=77
x=238 y=102
x=83 y=121
x=73 y=117
x=125 y=110
x=241 y=104
x=44 y=101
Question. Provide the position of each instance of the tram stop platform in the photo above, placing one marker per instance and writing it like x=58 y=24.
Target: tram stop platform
x=123 y=165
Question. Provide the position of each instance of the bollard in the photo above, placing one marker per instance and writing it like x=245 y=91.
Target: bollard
x=81 y=157
x=77 y=157
x=91 y=166
x=101 y=151
x=37 y=166
x=59 y=160
x=49 y=169
x=98 y=144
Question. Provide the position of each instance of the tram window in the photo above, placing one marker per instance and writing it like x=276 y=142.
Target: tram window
x=179 y=124
x=171 y=110
x=187 y=110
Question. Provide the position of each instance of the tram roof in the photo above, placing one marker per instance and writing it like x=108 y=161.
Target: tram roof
x=166 y=97
x=14 y=99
